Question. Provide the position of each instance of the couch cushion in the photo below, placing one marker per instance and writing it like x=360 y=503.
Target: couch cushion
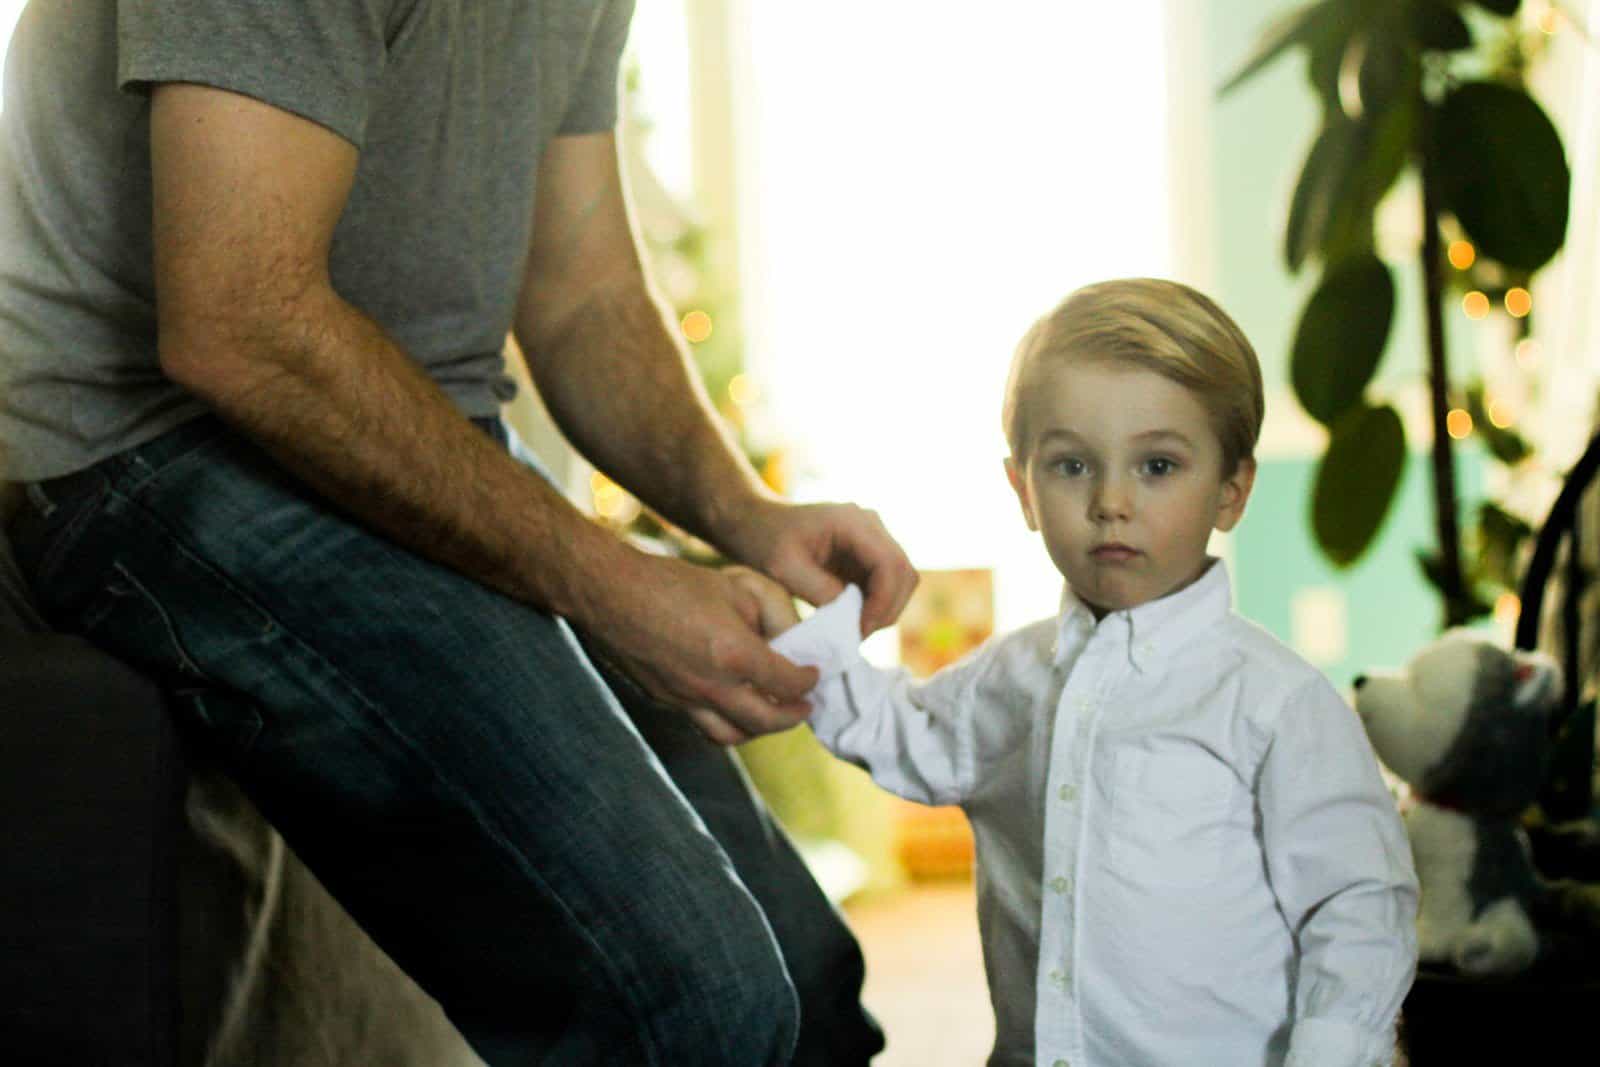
x=90 y=800
x=16 y=607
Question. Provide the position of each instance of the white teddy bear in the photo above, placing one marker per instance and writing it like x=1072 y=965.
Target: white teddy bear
x=1467 y=725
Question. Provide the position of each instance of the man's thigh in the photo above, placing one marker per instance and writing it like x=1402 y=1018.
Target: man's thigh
x=445 y=759
x=822 y=955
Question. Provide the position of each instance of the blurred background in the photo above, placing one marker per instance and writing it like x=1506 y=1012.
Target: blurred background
x=856 y=209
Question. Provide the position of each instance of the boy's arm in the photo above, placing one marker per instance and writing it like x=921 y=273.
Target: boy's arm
x=914 y=738
x=1341 y=868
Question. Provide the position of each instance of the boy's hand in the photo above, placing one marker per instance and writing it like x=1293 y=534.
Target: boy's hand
x=775 y=602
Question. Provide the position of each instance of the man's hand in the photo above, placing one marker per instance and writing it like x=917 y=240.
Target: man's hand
x=694 y=638
x=816 y=549
x=774 y=603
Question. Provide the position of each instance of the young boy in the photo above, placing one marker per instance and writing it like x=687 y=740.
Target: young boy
x=1186 y=854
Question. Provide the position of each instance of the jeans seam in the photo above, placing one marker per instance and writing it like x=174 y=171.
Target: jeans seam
x=50 y=559
x=185 y=662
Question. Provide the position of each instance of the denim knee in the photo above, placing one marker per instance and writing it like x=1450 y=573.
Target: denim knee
x=747 y=1014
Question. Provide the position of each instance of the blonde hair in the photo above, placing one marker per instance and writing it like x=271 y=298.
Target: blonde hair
x=1157 y=325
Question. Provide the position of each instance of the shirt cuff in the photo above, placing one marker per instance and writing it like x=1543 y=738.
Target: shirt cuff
x=1335 y=1043
x=830 y=640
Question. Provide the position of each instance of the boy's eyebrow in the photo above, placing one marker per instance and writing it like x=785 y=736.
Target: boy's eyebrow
x=1147 y=435
x=1156 y=435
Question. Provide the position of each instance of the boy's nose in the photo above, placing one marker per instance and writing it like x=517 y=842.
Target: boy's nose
x=1110 y=502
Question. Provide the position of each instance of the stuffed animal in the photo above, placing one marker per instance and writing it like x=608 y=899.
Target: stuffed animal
x=1467 y=725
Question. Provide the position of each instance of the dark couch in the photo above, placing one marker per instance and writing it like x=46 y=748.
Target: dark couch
x=91 y=795
x=148 y=914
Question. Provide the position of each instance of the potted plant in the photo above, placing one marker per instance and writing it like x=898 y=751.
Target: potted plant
x=1434 y=89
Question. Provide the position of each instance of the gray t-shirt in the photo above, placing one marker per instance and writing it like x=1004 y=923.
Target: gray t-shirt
x=450 y=103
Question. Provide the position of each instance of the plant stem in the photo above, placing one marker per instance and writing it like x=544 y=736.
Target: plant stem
x=1456 y=601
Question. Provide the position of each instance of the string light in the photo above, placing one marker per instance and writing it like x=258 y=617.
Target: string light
x=1475 y=304
x=696 y=326
x=775 y=472
x=1458 y=423
x=1461 y=254
x=611 y=501
x=1527 y=352
x=1518 y=302
x=1498 y=415
x=1550 y=20
x=743 y=390
x=1507 y=606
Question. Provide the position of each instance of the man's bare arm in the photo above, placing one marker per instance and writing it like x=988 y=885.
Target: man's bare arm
x=616 y=376
x=246 y=198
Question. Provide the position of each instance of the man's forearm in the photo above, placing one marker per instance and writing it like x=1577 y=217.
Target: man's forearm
x=621 y=387
x=334 y=400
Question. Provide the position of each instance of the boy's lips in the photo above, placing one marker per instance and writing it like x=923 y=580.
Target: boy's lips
x=1113 y=552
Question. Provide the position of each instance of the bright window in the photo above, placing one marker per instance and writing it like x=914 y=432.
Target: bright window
x=9 y=10
x=921 y=181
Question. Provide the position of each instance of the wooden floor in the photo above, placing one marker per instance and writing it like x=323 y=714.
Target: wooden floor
x=925 y=975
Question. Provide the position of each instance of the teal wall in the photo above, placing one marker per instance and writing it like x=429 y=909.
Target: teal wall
x=1259 y=136
x=1390 y=609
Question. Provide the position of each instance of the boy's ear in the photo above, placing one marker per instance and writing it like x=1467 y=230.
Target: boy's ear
x=1234 y=494
x=1014 y=476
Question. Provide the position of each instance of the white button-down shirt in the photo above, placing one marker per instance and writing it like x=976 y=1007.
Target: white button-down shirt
x=1186 y=853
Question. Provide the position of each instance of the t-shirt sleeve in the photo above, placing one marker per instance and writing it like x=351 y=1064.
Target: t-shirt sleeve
x=593 y=106
x=320 y=61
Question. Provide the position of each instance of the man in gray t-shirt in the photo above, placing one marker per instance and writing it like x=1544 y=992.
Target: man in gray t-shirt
x=259 y=262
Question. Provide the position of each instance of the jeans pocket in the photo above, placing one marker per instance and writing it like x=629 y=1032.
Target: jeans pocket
x=229 y=722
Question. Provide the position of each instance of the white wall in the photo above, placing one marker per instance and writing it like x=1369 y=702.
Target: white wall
x=920 y=182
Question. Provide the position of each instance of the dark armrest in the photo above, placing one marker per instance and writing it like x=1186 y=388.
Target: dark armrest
x=90 y=808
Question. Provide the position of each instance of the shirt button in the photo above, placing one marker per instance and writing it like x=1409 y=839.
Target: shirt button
x=1068 y=793
x=1060 y=1063
x=1060 y=884
x=1059 y=980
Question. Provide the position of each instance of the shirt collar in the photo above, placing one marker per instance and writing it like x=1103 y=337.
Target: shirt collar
x=1152 y=631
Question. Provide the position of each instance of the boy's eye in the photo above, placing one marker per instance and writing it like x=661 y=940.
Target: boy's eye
x=1159 y=466
x=1071 y=466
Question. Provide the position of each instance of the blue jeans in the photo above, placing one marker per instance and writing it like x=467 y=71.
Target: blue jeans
x=576 y=878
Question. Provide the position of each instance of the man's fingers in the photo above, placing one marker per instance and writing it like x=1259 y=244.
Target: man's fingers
x=809 y=580
x=772 y=605
x=891 y=581
x=754 y=714
x=715 y=727
x=888 y=593
x=780 y=679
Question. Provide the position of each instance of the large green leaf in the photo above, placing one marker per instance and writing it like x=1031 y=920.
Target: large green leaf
x=1439 y=27
x=1356 y=482
x=1389 y=70
x=1324 y=173
x=1341 y=337
x=1502 y=172
x=1501 y=536
x=1304 y=25
x=1350 y=167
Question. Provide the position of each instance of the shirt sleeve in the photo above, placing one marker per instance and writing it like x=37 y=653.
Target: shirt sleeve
x=593 y=107
x=1341 y=869
x=914 y=738
x=316 y=60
